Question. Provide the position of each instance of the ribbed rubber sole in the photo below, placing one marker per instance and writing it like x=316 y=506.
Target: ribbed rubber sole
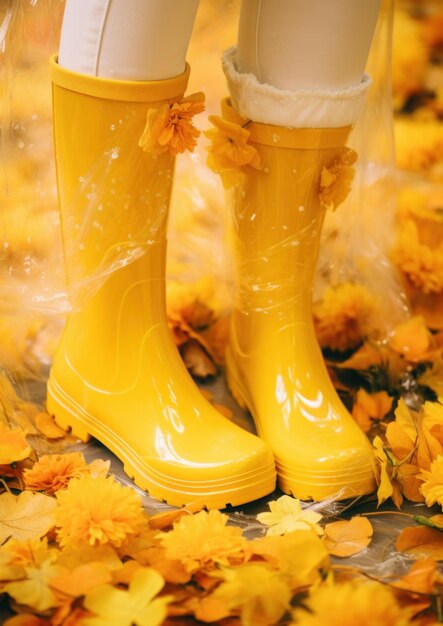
x=303 y=483
x=233 y=491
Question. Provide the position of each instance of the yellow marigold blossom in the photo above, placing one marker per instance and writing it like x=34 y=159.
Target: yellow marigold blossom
x=97 y=511
x=203 y=540
x=170 y=127
x=343 y=317
x=336 y=179
x=432 y=488
x=352 y=603
x=13 y=445
x=258 y=594
x=229 y=146
x=422 y=265
x=286 y=515
x=53 y=472
x=419 y=146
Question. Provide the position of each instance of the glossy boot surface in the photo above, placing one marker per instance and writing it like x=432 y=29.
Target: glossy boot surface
x=274 y=363
x=117 y=374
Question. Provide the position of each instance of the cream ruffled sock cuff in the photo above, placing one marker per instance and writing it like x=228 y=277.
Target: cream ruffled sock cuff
x=304 y=108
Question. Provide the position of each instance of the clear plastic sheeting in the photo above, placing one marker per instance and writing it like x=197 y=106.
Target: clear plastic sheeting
x=359 y=236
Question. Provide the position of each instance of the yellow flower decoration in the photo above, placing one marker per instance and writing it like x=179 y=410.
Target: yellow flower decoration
x=97 y=511
x=200 y=541
x=287 y=515
x=432 y=488
x=352 y=603
x=169 y=128
x=229 y=146
x=344 y=316
x=422 y=265
x=336 y=180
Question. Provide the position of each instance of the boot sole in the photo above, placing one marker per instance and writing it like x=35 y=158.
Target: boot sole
x=216 y=494
x=305 y=484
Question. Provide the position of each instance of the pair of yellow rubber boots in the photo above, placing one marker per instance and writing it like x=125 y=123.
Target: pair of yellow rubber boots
x=117 y=374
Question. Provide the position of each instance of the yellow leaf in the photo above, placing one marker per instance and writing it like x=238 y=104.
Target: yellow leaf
x=13 y=445
x=35 y=590
x=408 y=477
x=345 y=538
x=421 y=541
x=421 y=577
x=365 y=357
x=166 y=520
x=46 y=425
x=25 y=516
x=81 y=580
x=433 y=377
x=260 y=595
x=385 y=487
x=411 y=339
x=116 y=607
x=197 y=360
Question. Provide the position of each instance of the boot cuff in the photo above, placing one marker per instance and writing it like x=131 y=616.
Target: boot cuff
x=303 y=108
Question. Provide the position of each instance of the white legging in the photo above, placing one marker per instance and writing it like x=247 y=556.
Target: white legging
x=289 y=44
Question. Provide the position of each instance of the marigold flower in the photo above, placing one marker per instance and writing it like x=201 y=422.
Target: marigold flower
x=432 y=488
x=286 y=515
x=170 y=127
x=342 y=318
x=97 y=511
x=351 y=603
x=229 y=146
x=202 y=540
x=258 y=594
x=336 y=180
x=53 y=472
x=422 y=265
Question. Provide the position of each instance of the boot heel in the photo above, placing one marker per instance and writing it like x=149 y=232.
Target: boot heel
x=66 y=418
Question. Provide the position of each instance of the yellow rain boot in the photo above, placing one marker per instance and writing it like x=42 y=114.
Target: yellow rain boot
x=275 y=368
x=117 y=374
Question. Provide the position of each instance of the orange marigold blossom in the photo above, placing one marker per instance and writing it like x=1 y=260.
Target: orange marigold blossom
x=53 y=472
x=343 y=317
x=432 y=487
x=13 y=445
x=229 y=147
x=169 y=128
x=200 y=541
x=336 y=179
x=349 y=604
x=97 y=511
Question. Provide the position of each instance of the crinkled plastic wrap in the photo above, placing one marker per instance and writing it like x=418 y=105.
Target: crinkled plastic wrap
x=359 y=236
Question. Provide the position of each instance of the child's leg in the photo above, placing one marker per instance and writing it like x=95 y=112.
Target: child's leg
x=127 y=39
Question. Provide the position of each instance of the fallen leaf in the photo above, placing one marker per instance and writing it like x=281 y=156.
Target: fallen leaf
x=81 y=580
x=99 y=468
x=25 y=619
x=166 y=520
x=421 y=577
x=46 y=425
x=26 y=516
x=13 y=445
x=385 y=486
x=408 y=477
x=370 y=406
x=365 y=357
x=348 y=537
x=411 y=339
x=138 y=605
x=421 y=541
x=197 y=360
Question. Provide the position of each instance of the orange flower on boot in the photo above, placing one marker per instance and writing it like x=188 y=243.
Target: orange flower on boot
x=336 y=180
x=170 y=127
x=229 y=146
